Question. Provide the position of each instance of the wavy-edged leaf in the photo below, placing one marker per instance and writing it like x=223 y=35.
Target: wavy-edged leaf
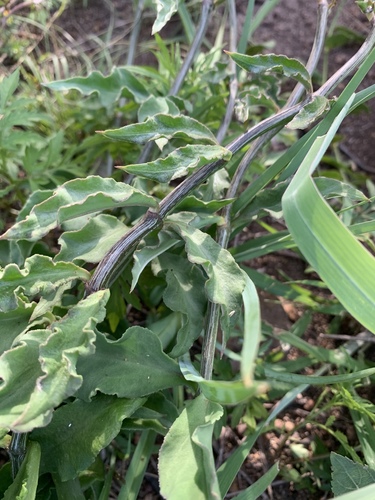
x=179 y=163
x=25 y=483
x=162 y=126
x=137 y=367
x=184 y=294
x=186 y=462
x=146 y=254
x=93 y=241
x=222 y=391
x=165 y=10
x=309 y=113
x=14 y=322
x=40 y=276
x=225 y=282
x=79 y=431
x=73 y=199
x=263 y=63
x=155 y=105
x=109 y=88
x=194 y=204
x=342 y=262
x=40 y=372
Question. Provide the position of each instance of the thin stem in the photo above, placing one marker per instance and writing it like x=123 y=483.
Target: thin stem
x=201 y=30
x=233 y=86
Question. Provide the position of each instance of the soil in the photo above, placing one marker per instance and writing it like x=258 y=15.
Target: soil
x=290 y=28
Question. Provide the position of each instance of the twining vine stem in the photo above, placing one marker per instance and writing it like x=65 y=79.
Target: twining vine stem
x=112 y=264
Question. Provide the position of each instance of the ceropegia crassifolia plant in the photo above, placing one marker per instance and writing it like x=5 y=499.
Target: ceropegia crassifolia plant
x=116 y=331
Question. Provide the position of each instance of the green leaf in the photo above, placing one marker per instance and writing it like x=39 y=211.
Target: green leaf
x=259 y=487
x=78 y=431
x=25 y=484
x=93 y=241
x=186 y=462
x=293 y=378
x=159 y=126
x=342 y=262
x=252 y=331
x=349 y=476
x=309 y=113
x=109 y=88
x=14 y=323
x=225 y=282
x=40 y=372
x=146 y=254
x=40 y=276
x=184 y=294
x=155 y=105
x=136 y=470
x=221 y=391
x=165 y=10
x=8 y=86
x=291 y=68
x=365 y=432
x=74 y=199
x=137 y=367
x=366 y=493
x=179 y=163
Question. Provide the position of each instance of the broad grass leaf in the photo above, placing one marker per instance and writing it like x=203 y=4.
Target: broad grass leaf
x=291 y=68
x=225 y=282
x=165 y=10
x=222 y=391
x=342 y=262
x=25 y=484
x=179 y=163
x=259 y=487
x=108 y=88
x=40 y=276
x=349 y=476
x=309 y=113
x=162 y=126
x=93 y=241
x=74 y=199
x=186 y=462
x=137 y=366
x=293 y=378
x=78 y=431
x=184 y=294
x=40 y=372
